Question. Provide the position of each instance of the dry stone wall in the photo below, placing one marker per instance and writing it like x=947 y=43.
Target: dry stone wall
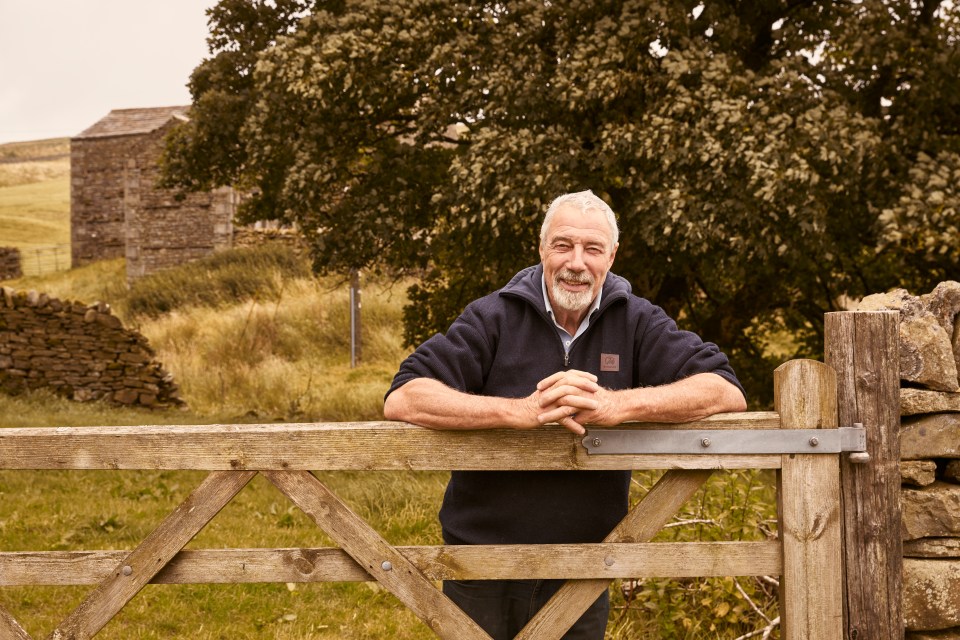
x=10 y=263
x=77 y=350
x=930 y=456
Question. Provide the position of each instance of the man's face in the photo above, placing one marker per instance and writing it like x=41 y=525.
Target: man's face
x=577 y=253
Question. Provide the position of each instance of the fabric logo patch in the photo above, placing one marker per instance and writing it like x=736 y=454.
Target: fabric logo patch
x=609 y=362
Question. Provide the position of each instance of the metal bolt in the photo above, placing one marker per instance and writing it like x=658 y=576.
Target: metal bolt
x=596 y=442
x=386 y=565
x=814 y=441
x=609 y=561
x=705 y=442
x=127 y=570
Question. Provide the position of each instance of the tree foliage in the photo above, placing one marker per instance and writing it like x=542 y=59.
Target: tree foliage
x=768 y=159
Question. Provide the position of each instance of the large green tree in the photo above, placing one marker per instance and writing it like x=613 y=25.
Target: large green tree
x=768 y=159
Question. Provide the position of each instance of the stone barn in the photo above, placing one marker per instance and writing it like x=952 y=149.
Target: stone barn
x=117 y=209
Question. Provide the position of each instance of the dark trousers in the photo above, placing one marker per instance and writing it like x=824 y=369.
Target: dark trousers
x=503 y=607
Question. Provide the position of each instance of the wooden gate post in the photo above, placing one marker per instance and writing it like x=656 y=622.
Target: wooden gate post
x=811 y=586
x=863 y=348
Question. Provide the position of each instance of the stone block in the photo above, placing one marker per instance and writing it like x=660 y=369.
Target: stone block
x=110 y=321
x=947 y=634
x=931 y=512
x=918 y=473
x=920 y=401
x=126 y=396
x=944 y=303
x=933 y=436
x=926 y=354
x=926 y=347
x=932 y=548
x=931 y=594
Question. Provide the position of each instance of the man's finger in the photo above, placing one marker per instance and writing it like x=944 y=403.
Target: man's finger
x=565 y=411
x=571 y=374
x=578 y=387
x=571 y=424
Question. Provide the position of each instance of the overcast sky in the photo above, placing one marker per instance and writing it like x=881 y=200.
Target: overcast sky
x=64 y=64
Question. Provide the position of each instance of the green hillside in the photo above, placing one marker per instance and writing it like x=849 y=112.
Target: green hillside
x=35 y=202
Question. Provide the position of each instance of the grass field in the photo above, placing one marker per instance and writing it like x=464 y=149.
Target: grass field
x=253 y=337
x=35 y=202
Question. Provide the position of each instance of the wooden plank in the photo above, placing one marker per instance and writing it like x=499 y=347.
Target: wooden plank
x=382 y=561
x=10 y=629
x=863 y=347
x=641 y=524
x=343 y=446
x=809 y=505
x=473 y=562
x=136 y=570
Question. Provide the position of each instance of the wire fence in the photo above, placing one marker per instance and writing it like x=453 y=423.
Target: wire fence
x=40 y=259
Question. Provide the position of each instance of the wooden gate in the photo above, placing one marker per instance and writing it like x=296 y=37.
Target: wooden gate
x=807 y=554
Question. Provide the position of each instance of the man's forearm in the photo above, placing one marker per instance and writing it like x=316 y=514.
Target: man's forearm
x=430 y=403
x=693 y=398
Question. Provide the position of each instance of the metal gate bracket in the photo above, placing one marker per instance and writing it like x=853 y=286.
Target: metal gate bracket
x=728 y=441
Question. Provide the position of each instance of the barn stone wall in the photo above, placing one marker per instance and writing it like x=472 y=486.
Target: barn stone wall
x=164 y=229
x=77 y=350
x=97 y=167
x=930 y=457
x=118 y=209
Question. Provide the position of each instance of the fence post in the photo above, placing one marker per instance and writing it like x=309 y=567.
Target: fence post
x=811 y=586
x=863 y=347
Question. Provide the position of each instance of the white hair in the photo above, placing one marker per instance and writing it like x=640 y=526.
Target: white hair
x=585 y=201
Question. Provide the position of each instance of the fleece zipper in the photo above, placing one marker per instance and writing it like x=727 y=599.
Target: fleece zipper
x=609 y=301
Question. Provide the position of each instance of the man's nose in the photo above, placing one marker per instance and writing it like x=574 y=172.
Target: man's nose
x=576 y=262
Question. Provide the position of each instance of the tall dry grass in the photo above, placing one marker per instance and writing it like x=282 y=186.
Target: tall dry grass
x=287 y=358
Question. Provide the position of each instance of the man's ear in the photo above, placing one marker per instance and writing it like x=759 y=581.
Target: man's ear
x=613 y=254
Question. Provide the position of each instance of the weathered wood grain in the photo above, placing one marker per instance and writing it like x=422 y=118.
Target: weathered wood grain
x=863 y=347
x=474 y=562
x=10 y=629
x=343 y=446
x=377 y=557
x=137 y=568
x=809 y=506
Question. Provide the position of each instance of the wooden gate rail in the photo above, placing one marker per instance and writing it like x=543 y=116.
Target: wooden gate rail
x=807 y=554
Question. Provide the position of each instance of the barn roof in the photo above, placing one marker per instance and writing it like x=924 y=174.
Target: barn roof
x=126 y=122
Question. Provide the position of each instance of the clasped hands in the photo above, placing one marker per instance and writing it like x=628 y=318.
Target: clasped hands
x=572 y=399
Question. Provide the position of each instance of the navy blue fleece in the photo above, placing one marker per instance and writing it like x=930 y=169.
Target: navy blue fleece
x=502 y=345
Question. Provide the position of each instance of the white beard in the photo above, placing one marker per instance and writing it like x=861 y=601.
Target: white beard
x=572 y=300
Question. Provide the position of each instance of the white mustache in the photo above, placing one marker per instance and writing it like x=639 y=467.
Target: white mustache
x=573 y=276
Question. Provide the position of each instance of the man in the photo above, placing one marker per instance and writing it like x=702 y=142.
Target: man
x=564 y=341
